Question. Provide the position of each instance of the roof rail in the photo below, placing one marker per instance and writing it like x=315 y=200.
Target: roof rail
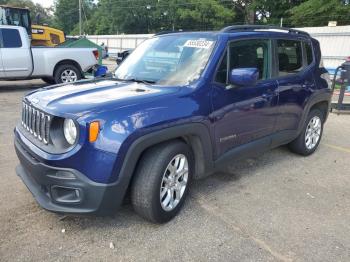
x=168 y=32
x=240 y=28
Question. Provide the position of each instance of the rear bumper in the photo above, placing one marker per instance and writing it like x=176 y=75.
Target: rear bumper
x=66 y=190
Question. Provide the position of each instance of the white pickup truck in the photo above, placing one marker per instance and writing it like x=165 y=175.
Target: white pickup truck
x=18 y=60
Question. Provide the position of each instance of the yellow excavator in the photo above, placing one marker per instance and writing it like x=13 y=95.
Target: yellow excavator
x=41 y=35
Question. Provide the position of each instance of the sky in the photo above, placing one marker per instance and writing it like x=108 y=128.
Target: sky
x=44 y=3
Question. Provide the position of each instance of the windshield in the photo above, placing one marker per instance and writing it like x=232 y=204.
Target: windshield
x=168 y=60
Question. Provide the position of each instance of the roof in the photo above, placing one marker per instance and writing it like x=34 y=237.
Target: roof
x=14 y=7
x=259 y=28
x=245 y=29
x=12 y=27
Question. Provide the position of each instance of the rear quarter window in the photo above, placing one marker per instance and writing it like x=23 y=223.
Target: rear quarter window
x=290 y=57
x=11 y=38
x=309 y=53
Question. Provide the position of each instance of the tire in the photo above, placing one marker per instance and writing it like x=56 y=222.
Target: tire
x=67 y=71
x=306 y=146
x=153 y=178
x=49 y=80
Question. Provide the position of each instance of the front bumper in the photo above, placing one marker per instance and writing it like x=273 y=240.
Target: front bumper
x=66 y=190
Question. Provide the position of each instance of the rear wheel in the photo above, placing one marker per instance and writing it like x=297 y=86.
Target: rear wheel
x=67 y=73
x=309 y=139
x=161 y=181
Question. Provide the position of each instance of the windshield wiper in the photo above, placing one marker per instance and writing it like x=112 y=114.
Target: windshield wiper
x=147 y=82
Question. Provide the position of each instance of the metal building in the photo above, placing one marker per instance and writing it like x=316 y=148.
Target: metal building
x=335 y=43
x=334 y=40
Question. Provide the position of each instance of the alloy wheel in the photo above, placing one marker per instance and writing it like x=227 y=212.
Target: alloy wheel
x=69 y=76
x=174 y=182
x=313 y=132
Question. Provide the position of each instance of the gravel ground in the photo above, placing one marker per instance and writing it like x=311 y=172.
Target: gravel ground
x=277 y=207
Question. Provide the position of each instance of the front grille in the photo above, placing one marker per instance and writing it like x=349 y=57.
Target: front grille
x=36 y=122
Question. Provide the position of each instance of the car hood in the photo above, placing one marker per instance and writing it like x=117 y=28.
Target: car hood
x=85 y=97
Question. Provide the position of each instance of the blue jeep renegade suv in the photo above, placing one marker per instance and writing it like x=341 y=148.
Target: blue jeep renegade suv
x=179 y=107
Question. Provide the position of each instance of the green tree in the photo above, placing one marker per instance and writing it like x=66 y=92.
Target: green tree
x=36 y=10
x=145 y=16
x=262 y=11
x=204 y=15
x=67 y=13
x=319 y=12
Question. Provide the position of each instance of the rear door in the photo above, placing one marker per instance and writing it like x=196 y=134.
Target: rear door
x=295 y=81
x=16 y=54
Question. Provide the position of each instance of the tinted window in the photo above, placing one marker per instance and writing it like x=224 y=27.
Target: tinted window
x=309 y=55
x=246 y=54
x=11 y=38
x=290 y=57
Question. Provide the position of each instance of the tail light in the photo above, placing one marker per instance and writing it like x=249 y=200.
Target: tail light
x=95 y=52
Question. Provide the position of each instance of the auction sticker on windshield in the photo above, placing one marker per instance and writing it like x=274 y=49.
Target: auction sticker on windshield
x=199 y=44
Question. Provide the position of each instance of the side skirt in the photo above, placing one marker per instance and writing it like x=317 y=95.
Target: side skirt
x=254 y=148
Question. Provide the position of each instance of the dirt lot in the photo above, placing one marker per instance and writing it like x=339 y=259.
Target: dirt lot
x=278 y=207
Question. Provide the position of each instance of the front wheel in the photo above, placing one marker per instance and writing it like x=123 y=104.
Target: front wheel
x=67 y=73
x=309 y=139
x=161 y=181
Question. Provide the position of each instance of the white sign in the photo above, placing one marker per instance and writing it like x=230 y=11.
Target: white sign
x=199 y=44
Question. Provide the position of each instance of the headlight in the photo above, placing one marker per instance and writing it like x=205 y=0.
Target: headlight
x=70 y=131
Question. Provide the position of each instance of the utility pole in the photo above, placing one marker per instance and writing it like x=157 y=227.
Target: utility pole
x=80 y=17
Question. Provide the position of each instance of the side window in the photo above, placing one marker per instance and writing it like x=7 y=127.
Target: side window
x=250 y=54
x=309 y=54
x=246 y=54
x=290 y=57
x=11 y=38
x=221 y=73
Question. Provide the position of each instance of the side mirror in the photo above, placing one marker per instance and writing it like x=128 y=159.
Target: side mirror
x=244 y=76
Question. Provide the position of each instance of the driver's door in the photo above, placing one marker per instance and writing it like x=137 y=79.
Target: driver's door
x=243 y=114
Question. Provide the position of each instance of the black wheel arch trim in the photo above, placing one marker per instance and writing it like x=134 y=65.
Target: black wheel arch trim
x=195 y=134
x=68 y=62
x=317 y=97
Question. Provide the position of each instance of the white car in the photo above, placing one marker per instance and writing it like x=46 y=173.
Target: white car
x=18 y=60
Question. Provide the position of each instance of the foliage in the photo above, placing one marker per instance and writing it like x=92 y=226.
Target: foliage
x=35 y=10
x=263 y=11
x=319 y=12
x=150 y=16
x=66 y=15
x=204 y=15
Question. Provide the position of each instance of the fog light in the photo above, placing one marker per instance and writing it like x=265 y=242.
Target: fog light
x=66 y=195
